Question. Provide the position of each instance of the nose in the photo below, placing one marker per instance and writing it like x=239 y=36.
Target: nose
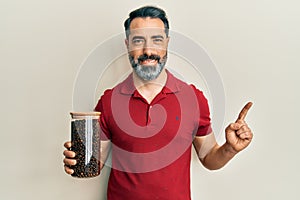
x=148 y=51
x=148 y=48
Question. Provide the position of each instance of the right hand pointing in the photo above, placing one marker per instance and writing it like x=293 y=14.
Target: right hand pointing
x=238 y=134
x=69 y=159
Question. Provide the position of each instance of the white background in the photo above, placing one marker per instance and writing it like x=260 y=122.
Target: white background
x=254 y=44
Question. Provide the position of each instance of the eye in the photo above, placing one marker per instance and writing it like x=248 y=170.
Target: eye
x=137 y=41
x=157 y=40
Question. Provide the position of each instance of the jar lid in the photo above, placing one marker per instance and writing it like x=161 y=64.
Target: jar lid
x=83 y=114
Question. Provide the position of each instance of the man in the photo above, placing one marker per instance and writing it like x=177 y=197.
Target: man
x=150 y=121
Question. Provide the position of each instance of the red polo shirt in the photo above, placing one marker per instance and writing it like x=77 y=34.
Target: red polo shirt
x=151 y=143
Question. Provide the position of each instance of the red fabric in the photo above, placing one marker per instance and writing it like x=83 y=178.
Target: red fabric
x=151 y=143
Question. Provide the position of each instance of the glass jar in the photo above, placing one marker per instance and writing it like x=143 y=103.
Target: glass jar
x=85 y=138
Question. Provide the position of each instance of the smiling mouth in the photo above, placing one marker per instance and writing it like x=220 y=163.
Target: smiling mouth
x=148 y=62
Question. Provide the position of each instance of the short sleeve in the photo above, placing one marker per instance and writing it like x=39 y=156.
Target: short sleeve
x=204 y=121
x=103 y=106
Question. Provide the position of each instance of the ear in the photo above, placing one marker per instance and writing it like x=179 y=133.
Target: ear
x=167 y=41
x=127 y=44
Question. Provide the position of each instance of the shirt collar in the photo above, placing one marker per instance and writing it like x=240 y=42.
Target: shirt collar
x=172 y=84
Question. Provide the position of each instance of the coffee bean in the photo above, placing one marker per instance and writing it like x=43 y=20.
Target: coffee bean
x=85 y=138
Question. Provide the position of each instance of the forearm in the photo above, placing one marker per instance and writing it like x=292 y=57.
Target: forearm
x=104 y=149
x=218 y=156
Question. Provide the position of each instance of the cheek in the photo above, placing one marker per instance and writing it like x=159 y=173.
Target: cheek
x=134 y=50
x=163 y=53
x=161 y=50
x=135 y=54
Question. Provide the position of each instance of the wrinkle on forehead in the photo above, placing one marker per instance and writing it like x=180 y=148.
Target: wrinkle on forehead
x=147 y=27
x=148 y=32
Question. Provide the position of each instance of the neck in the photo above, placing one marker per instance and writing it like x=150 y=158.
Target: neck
x=149 y=89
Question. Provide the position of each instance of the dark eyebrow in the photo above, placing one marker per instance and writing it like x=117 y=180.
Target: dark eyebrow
x=138 y=37
x=157 y=37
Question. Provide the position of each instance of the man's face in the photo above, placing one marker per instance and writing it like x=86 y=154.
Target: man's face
x=147 y=47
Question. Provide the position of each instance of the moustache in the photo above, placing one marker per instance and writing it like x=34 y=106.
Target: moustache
x=146 y=57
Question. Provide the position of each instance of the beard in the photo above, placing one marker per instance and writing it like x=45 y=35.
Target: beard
x=148 y=72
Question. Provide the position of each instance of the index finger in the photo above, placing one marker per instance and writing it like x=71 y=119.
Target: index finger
x=244 y=111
